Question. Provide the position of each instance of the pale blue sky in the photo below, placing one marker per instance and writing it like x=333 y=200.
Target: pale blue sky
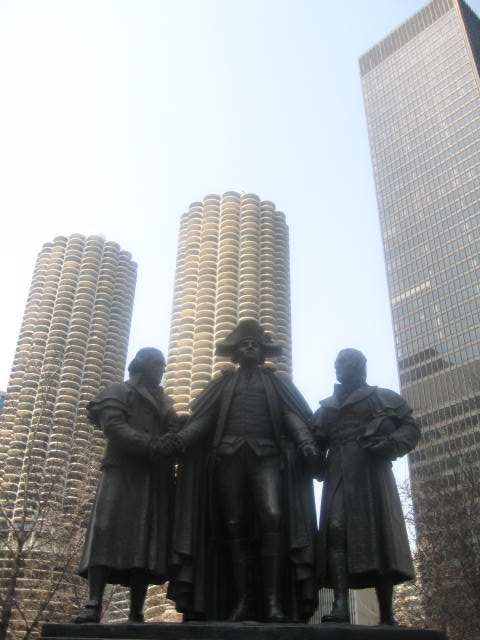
x=116 y=114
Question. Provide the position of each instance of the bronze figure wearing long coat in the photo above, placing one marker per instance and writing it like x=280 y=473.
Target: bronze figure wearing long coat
x=375 y=525
x=128 y=537
x=363 y=541
x=133 y=506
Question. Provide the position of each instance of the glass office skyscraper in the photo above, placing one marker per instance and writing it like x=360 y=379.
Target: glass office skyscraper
x=421 y=91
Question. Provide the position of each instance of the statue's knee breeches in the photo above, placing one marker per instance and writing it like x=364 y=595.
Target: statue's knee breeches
x=267 y=494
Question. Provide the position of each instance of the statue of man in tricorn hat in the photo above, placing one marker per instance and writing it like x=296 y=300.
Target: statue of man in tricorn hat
x=244 y=533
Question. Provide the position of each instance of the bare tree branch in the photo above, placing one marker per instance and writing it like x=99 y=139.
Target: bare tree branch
x=446 y=550
x=41 y=532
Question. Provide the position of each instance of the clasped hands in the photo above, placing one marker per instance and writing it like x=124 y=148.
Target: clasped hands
x=309 y=449
x=169 y=444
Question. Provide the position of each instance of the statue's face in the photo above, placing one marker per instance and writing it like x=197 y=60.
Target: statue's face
x=249 y=352
x=153 y=371
x=349 y=368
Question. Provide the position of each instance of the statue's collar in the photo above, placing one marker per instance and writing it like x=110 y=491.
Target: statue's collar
x=339 y=400
x=154 y=396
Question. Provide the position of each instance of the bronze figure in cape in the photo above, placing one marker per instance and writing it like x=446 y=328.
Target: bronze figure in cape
x=245 y=525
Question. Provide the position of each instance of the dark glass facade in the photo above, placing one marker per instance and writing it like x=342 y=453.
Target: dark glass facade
x=421 y=90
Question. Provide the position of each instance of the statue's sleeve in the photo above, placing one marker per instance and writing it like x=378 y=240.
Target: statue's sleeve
x=407 y=431
x=319 y=429
x=195 y=429
x=110 y=411
x=407 y=434
x=113 y=396
x=118 y=431
x=296 y=427
x=204 y=412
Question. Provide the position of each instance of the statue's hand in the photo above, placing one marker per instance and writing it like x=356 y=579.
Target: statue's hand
x=168 y=445
x=314 y=459
x=309 y=449
x=384 y=447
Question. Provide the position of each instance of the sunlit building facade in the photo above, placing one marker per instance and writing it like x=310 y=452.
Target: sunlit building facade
x=73 y=342
x=232 y=264
x=421 y=91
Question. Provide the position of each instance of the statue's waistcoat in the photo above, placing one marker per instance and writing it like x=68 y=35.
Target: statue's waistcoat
x=249 y=414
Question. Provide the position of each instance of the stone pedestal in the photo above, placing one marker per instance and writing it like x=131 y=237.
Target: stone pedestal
x=233 y=631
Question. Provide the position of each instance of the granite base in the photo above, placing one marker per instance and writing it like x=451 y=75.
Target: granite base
x=233 y=631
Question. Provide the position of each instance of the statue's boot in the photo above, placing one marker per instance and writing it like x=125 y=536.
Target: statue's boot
x=242 y=562
x=97 y=579
x=90 y=613
x=273 y=568
x=138 y=593
x=384 y=590
x=338 y=574
x=340 y=611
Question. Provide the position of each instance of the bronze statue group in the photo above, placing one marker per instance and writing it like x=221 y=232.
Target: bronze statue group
x=220 y=504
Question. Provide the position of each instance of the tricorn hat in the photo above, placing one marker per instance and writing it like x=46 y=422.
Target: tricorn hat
x=244 y=330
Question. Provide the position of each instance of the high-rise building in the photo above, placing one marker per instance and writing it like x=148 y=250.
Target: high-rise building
x=421 y=89
x=232 y=264
x=73 y=341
